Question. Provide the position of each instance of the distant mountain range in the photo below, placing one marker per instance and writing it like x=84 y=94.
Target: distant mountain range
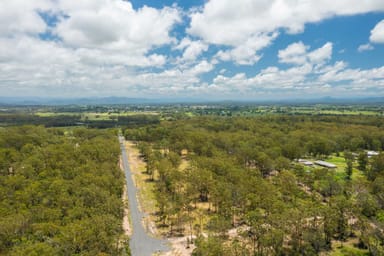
x=28 y=101
x=71 y=101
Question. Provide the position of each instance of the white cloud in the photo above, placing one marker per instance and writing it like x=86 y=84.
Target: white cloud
x=115 y=25
x=247 y=53
x=365 y=47
x=74 y=72
x=322 y=54
x=99 y=32
x=19 y=16
x=369 y=76
x=235 y=23
x=303 y=79
x=103 y=42
x=377 y=33
x=184 y=43
x=192 y=49
x=231 y=23
x=201 y=68
x=271 y=78
x=296 y=53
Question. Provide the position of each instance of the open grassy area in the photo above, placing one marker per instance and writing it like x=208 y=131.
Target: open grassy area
x=339 y=161
x=347 y=249
x=145 y=187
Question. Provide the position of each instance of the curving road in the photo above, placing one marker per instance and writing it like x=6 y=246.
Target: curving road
x=141 y=244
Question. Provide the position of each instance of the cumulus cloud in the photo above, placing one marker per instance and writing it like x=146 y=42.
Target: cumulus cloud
x=115 y=25
x=192 y=49
x=97 y=45
x=294 y=54
x=322 y=54
x=247 y=53
x=297 y=53
x=228 y=22
x=270 y=80
x=303 y=79
x=18 y=16
x=365 y=47
x=201 y=68
x=237 y=23
x=102 y=31
x=311 y=74
x=369 y=76
x=377 y=33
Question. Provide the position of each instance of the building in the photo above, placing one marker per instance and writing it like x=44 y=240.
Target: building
x=305 y=162
x=372 y=153
x=325 y=164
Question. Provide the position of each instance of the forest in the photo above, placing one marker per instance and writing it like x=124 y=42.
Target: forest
x=60 y=192
x=234 y=185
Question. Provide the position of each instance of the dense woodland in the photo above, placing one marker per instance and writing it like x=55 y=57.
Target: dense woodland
x=231 y=182
x=215 y=174
x=60 y=192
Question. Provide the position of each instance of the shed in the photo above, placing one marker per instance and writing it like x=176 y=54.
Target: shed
x=305 y=162
x=325 y=164
x=371 y=153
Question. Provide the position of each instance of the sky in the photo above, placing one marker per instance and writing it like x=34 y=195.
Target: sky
x=195 y=49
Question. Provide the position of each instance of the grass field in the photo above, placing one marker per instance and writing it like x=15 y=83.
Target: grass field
x=339 y=161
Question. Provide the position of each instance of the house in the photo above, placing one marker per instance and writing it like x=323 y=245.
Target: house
x=325 y=164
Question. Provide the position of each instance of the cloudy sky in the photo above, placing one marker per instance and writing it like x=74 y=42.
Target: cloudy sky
x=207 y=49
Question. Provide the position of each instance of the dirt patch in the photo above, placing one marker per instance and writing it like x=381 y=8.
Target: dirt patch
x=179 y=247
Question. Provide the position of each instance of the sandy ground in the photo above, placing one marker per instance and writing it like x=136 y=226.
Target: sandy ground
x=178 y=244
x=179 y=247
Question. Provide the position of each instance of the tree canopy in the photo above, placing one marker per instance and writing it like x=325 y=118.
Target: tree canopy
x=60 y=191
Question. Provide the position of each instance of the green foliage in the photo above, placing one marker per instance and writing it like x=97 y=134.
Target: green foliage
x=362 y=161
x=208 y=247
x=377 y=167
x=242 y=174
x=350 y=251
x=60 y=193
x=349 y=161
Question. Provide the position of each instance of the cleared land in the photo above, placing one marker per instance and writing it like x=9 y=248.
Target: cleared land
x=141 y=244
x=147 y=201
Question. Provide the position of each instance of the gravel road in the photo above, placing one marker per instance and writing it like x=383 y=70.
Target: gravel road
x=141 y=243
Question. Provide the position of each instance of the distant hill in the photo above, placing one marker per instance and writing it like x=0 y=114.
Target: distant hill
x=125 y=100
x=72 y=101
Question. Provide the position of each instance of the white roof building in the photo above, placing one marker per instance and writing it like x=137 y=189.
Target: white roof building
x=325 y=164
x=372 y=153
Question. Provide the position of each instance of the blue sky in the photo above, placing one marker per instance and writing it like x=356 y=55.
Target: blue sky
x=216 y=49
